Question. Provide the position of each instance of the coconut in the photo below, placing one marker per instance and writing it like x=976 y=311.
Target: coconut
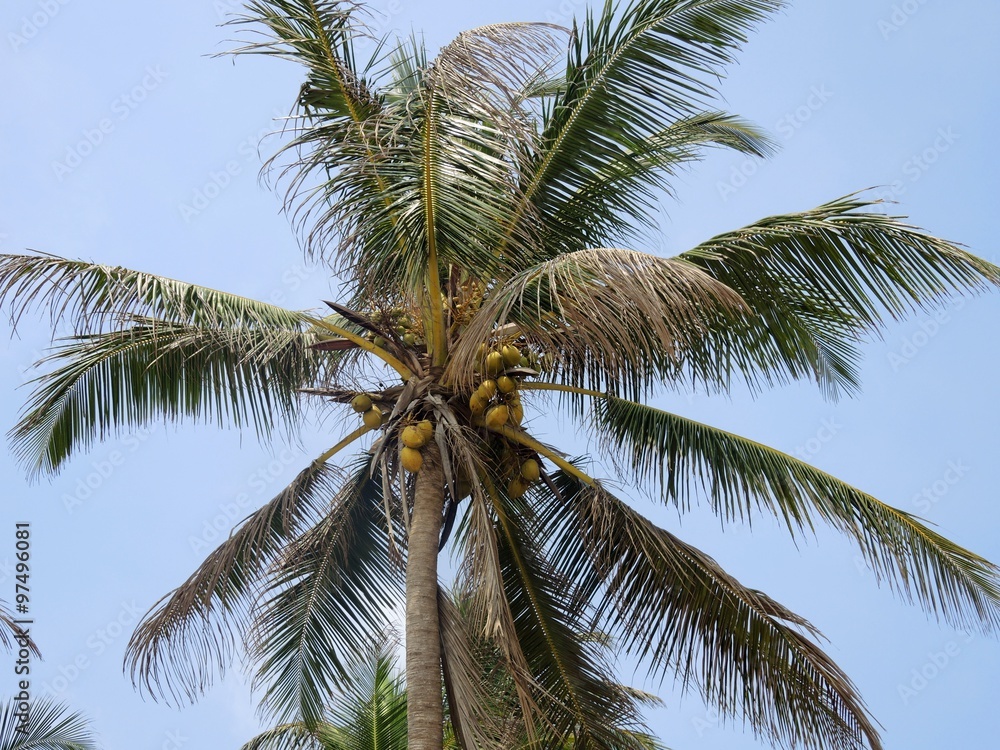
x=516 y=412
x=487 y=389
x=361 y=403
x=378 y=341
x=511 y=355
x=373 y=417
x=517 y=488
x=409 y=339
x=413 y=437
x=497 y=417
x=494 y=363
x=411 y=459
x=506 y=384
x=530 y=470
x=426 y=427
x=477 y=404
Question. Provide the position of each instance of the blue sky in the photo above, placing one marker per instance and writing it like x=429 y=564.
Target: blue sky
x=126 y=142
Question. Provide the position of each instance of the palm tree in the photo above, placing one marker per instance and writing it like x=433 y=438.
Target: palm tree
x=369 y=713
x=50 y=726
x=483 y=207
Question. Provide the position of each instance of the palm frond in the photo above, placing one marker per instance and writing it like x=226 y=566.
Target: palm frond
x=741 y=477
x=295 y=736
x=334 y=581
x=105 y=382
x=631 y=68
x=621 y=197
x=12 y=634
x=193 y=632
x=93 y=296
x=680 y=612
x=819 y=280
x=616 y=319
x=578 y=701
x=51 y=726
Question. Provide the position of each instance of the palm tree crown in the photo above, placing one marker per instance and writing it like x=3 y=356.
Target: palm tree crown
x=483 y=206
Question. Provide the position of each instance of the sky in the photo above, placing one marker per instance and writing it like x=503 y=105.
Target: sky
x=126 y=140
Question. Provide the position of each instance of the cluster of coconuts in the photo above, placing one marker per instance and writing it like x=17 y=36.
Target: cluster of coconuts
x=497 y=402
x=414 y=437
x=370 y=413
x=400 y=322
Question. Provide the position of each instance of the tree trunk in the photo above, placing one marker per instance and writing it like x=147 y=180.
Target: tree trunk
x=425 y=718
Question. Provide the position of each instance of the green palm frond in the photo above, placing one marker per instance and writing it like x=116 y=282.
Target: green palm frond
x=370 y=711
x=104 y=382
x=335 y=581
x=51 y=726
x=678 y=610
x=615 y=318
x=820 y=279
x=295 y=736
x=578 y=701
x=621 y=197
x=94 y=296
x=742 y=477
x=632 y=68
x=194 y=631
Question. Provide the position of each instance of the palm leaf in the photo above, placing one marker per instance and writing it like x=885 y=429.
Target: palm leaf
x=334 y=581
x=11 y=634
x=578 y=702
x=631 y=69
x=104 y=382
x=195 y=630
x=615 y=318
x=51 y=726
x=742 y=477
x=818 y=280
x=93 y=296
x=678 y=610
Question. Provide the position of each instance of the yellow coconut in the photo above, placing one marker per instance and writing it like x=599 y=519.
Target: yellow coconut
x=411 y=459
x=530 y=470
x=413 y=437
x=361 y=403
x=517 y=488
x=426 y=428
x=511 y=355
x=506 y=384
x=487 y=389
x=497 y=417
x=373 y=417
x=494 y=363
x=477 y=404
x=516 y=412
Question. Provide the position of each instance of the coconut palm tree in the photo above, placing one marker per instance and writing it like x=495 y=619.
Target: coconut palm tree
x=484 y=208
x=369 y=713
x=50 y=726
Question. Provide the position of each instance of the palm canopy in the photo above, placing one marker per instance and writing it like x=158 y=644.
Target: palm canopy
x=49 y=726
x=482 y=207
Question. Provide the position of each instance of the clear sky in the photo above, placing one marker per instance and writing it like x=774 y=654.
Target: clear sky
x=124 y=141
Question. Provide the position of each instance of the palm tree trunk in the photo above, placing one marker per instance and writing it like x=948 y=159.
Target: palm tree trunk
x=425 y=719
